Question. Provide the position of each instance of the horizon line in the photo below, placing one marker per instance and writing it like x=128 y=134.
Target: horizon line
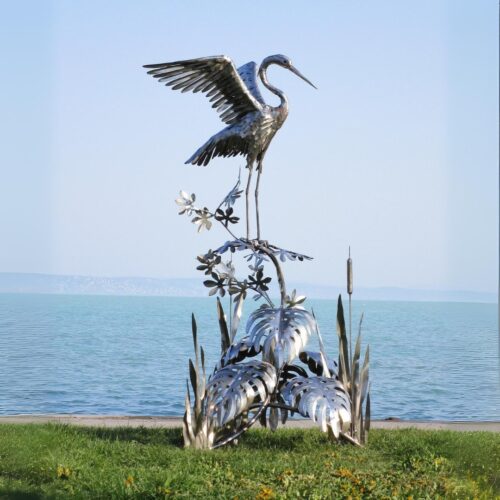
x=293 y=282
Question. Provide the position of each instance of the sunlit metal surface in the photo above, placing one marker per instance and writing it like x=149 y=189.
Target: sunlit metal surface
x=242 y=389
x=235 y=95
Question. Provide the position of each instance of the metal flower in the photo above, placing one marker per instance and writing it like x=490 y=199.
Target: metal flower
x=208 y=261
x=259 y=261
x=216 y=284
x=238 y=288
x=288 y=254
x=294 y=299
x=213 y=255
x=258 y=281
x=258 y=265
x=202 y=219
x=226 y=217
x=186 y=203
x=233 y=195
x=232 y=246
x=227 y=270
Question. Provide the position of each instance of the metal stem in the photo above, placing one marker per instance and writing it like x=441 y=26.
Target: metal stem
x=247 y=192
x=351 y=357
x=259 y=171
x=350 y=439
x=266 y=296
x=245 y=427
x=279 y=272
x=230 y=282
x=352 y=426
x=283 y=407
x=227 y=229
x=291 y=408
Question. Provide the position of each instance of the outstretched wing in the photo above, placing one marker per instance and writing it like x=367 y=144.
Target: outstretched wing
x=216 y=77
x=248 y=73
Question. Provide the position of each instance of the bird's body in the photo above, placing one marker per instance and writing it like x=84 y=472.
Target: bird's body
x=234 y=93
x=250 y=137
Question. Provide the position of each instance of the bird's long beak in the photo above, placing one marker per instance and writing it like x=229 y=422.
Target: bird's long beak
x=293 y=69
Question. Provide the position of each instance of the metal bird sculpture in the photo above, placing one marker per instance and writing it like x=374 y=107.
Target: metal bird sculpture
x=234 y=93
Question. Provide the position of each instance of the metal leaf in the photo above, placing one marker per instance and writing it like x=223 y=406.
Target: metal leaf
x=367 y=417
x=238 y=311
x=344 y=371
x=196 y=429
x=239 y=351
x=233 y=389
x=355 y=387
x=234 y=194
x=289 y=371
x=288 y=254
x=225 y=340
x=282 y=332
x=274 y=418
x=233 y=246
x=314 y=362
x=322 y=399
x=327 y=372
x=363 y=382
x=284 y=416
x=197 y=382
x=187 y=422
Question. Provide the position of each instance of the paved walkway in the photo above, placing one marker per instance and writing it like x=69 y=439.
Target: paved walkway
x=124 y=421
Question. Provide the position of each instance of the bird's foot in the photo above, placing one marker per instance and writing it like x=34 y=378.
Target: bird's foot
x=257 y=242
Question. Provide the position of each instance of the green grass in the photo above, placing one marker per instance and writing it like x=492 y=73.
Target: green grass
x=56 y=461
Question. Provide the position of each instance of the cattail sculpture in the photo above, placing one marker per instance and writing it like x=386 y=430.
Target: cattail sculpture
x=349 y=291
x=354 y=376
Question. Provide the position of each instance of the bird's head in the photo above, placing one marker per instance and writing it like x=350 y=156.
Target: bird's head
x=286 y=63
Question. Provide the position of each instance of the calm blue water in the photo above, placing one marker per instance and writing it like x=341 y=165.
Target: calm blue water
x=128 y=355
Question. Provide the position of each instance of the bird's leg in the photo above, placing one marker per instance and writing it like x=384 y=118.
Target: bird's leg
x=247 y=192
x=259 y=171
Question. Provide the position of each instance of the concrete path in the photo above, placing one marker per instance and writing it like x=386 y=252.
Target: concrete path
x=169 y=422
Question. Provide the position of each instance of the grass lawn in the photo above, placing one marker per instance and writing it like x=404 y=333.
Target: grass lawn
x=57 y=461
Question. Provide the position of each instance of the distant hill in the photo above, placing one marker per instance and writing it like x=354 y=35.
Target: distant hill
x=89 y=285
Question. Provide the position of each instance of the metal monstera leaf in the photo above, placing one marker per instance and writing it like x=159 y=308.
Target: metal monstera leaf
x=314 y=361
x=281 y=332
x=240 y=351
x=322 y=399
x=232 y=390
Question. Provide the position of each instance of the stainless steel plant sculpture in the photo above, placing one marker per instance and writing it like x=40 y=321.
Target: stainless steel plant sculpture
x=243 y=389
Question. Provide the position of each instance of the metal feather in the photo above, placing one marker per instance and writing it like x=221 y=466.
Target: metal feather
x=248 y=73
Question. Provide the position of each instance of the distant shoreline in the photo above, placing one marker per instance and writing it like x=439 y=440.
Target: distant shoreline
x=48 y=284
x=173 y=422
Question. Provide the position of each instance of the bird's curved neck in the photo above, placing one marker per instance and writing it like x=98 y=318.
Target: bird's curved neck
x=272 y=88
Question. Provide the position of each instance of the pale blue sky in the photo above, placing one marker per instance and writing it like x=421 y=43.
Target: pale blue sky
x=396 y=154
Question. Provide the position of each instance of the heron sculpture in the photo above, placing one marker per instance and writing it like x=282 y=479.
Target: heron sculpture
x=234 y=93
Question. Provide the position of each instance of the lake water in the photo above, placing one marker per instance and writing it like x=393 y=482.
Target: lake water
x=129 y=355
